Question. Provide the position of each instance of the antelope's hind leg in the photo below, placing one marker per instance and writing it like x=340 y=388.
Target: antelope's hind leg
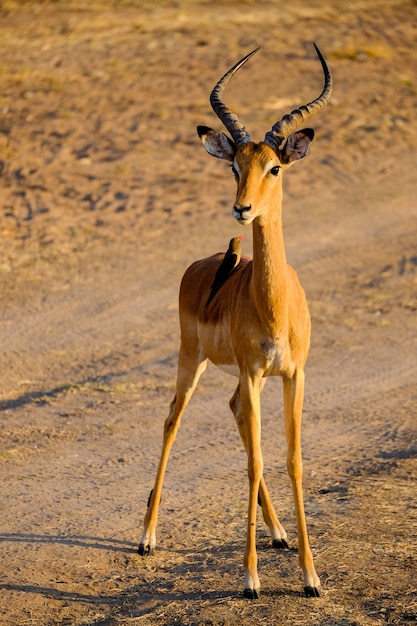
x=191 y=364
x=293 y=404
x=278 y=534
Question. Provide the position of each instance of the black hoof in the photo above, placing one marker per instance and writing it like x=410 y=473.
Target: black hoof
x=145 y=550
x=312 y=592
x=280 y=544
x=252 y=594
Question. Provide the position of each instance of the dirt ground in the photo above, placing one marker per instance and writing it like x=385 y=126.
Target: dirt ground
x=107 y=196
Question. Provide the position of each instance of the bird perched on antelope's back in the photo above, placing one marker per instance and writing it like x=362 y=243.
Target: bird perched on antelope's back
x=227 y=266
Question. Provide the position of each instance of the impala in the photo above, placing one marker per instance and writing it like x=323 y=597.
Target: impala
x=256 y=325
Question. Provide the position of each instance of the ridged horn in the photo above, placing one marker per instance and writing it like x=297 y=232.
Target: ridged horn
x=229 y=119
x=282 y=129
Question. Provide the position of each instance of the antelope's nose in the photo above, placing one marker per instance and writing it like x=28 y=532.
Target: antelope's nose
x=239 y=211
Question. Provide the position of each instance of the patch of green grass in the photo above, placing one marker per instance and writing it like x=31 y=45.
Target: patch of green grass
x=359 y=53
x=6 y=454
x=52 y=84
x=410 y=85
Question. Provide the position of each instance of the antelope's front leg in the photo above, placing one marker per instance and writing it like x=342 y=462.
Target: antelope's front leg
x=250 y=397
x=293 y=404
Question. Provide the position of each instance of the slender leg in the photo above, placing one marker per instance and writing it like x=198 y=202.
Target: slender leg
x=293 y=404
x=278 y=534
x=250 y=399
x=190 y=368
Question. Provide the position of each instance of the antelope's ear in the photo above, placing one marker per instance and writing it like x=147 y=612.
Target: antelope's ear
x=297 y=145
x=216 y=143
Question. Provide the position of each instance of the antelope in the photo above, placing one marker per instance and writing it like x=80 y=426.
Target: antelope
x=257 y=325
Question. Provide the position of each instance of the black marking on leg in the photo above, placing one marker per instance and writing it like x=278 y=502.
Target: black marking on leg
x=259 y=499
x=252 y=594
x=280 y=544
x=149 y=499
x=312 y=592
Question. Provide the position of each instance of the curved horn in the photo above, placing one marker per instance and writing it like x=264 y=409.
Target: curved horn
x=281 y=130
x=229 y=119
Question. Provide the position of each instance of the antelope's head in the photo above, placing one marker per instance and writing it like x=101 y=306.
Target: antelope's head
x=258 y=166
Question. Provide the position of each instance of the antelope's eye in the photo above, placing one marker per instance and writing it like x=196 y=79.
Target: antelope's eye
x=275 y=170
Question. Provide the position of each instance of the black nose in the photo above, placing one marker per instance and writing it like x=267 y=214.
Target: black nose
x=242 y=209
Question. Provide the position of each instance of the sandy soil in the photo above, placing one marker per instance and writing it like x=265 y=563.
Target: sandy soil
x=107 y=196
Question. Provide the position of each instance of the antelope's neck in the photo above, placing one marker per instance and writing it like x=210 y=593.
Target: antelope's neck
x=270 y=274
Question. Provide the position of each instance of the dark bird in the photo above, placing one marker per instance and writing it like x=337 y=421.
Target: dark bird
x=227 y=266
